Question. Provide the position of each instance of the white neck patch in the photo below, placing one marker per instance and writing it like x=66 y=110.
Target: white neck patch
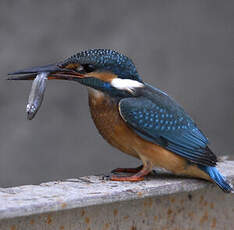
x=126 y=84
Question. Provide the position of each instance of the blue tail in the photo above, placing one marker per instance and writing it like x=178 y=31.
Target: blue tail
x=217 y=177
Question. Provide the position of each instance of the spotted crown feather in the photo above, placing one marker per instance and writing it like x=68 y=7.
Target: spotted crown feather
x=106 y=59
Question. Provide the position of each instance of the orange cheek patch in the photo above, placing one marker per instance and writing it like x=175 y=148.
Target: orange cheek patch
x=72 y=66
x=104 y=76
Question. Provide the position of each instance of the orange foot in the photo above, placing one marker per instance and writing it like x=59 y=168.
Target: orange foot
x=127 y=178
x=141 y=172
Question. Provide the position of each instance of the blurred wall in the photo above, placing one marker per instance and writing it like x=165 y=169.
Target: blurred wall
x=183 y=47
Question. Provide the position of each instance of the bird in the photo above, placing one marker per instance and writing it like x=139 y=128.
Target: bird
x=135 y=117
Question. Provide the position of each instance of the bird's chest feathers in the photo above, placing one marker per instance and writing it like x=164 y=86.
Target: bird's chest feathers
x=104 y=111
x=105 y=114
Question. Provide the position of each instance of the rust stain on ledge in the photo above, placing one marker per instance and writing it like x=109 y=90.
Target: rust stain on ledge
x=87 y=220
x=49 y=219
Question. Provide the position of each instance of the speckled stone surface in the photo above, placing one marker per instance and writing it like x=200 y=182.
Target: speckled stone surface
x=55 y=205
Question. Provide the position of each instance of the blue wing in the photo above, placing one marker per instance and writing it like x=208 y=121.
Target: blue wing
x=157 y=118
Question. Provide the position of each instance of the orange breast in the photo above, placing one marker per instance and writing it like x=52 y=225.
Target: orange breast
x=105 y=114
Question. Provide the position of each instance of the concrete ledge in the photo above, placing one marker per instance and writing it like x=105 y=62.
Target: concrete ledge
x=55 y=205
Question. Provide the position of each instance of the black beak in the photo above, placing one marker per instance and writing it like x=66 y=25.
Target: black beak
x=55 y=72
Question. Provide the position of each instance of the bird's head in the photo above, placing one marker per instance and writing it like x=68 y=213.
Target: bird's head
x=102 y=69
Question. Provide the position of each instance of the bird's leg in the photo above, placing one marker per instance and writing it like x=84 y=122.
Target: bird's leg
x=146 y=169
x=128 y=170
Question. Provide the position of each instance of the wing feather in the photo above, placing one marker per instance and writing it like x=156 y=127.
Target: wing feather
x=159 y=119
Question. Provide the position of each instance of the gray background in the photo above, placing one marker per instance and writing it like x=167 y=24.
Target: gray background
x=183 y=47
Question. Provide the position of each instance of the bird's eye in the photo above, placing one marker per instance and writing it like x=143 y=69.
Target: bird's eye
x=85 y=68
x=88 y=68
x=79 y=68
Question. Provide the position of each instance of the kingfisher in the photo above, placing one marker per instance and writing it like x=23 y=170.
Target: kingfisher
x=135 y=117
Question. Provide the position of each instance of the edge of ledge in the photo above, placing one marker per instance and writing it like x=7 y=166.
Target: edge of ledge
x=93 y=190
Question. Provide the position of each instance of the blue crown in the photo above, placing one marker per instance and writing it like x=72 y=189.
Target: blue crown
x=106 y=59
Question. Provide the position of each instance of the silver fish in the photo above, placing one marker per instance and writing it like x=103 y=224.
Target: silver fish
x=36 y=94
